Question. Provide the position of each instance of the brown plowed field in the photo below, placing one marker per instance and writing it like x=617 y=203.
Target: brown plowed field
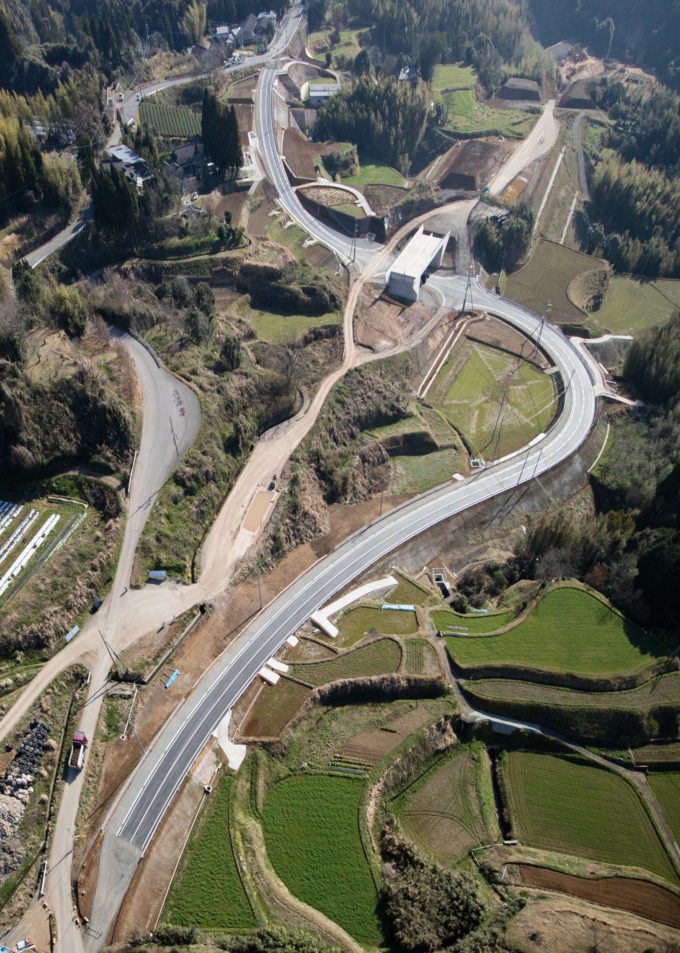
x=300 y=153
x=636 y=896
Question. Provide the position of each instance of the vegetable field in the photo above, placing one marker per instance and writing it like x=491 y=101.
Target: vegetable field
x=379 y=658
x=311 y=825
x=564 y=804
x=175 y=122
x=569 y=630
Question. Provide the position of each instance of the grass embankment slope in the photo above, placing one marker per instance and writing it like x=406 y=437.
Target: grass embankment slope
x=569 y=630
x=207 y=891
x=666 y=788
x=631 y=305
x=476 y=624
x=311 y=825
x=564 y=804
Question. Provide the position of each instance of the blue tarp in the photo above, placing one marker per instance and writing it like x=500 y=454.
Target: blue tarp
x=69 y=635
x=158 y=574
x=399 y=608
x=172 y=678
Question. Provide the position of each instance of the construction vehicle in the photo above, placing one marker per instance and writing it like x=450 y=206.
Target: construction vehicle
x=78 y=748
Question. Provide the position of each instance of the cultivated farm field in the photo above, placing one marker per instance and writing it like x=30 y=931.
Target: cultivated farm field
x=663 y=690
x=569 y=630
x=546 y=277
x=175 y=122
x=565 y=804
x=666 y=788
x=206 y=891
x=379 y=658
x=311 y=826
x=441 y=811
x=475 y=623
x=356 y=623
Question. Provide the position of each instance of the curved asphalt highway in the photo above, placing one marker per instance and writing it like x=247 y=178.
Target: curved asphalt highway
x=144 y=804
x=264 y=124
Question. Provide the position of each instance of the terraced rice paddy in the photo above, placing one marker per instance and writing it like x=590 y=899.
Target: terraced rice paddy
x=566 y=805
x=570 y=631
x=441 y=811
x=381 y=657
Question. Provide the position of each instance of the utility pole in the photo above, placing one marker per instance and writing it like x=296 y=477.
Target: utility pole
x=468 y=290
x=174 y=440
x=259 y=587
x=354 y=241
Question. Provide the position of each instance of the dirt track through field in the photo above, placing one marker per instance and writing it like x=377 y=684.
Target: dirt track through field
x=636 y=896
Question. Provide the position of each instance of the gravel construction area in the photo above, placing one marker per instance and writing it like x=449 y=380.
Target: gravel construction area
x=636 y=896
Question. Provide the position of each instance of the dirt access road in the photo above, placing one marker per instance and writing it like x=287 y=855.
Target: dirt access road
x=166 y=433
x=537 y=144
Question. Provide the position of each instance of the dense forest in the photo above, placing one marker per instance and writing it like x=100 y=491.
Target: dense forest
x=383 y=118
x=492 y=35
x=635 y=194
x=642 y=33
x=43 y=40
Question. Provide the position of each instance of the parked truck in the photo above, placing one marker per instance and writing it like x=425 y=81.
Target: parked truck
x=78 y=748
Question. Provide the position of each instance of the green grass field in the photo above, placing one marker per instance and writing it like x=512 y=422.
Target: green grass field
x=311 y=825
x=631 y=305
x=415 y=474
x=453 y=76
x=285 y=328
x=177 y=122
x=379 y=658
x=471 y=399
x=569 y=630
x=546 y=277
x=476 y=624
x=320 y=42
x=374 y=172
x=455 y=85
x=666 y=788
x=206 y=891
x=563 y=804
x=441 y=811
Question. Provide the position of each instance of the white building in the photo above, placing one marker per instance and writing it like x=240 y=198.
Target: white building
x=422 y=253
